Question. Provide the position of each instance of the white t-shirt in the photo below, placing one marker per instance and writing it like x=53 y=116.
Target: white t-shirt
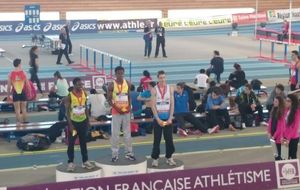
x=97 y=103
x=62 y=87
x=201 y=80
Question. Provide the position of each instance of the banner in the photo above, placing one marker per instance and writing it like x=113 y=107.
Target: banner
x=133 y=24
x=249 y=18
x=95 y=81
x=187 y=23
x=281 y=14
x=46 y=27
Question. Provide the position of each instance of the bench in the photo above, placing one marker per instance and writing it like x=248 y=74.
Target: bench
x=2 y=51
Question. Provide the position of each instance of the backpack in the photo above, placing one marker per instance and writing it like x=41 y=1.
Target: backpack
x=30 y=91
x=33 y=142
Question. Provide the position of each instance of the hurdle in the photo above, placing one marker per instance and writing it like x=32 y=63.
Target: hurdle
x=272 y=53
x=103 y=62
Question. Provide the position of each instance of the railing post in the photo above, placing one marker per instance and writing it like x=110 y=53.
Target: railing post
x=95 y=61
x=87 y=57
x=130 y=73
x=285 y=51
x=272 y=50
x=111 y=66
x=80 y=55
x=102 y=64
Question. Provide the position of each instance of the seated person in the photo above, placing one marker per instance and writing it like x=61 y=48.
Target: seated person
x=97 y=104
x=217 y=110
x=62 y=108
x=136 y=106
x=248 y=103
x=144 y=81
x=145 y=96
x=182 y=113
x=237 y=78
x=277 y=91
x=201 y=107
x=201 y=79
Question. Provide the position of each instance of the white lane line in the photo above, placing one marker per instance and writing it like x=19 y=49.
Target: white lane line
x=34 y=167
x=10 y=60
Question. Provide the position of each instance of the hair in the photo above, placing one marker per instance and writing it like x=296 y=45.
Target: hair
x=152 y=83
x=70 y=89
x=278 y=111
x=119 y=68
x=202 y=71
x=217 y=90
x=57 y=74
x=237 y=66
x=17 y=62
x=280 y=87
x=32 y=49
x=76 y=80
x=132 y=87
x=216 y=52
x=139 y=89
x=248 y=86
x=295 y=52
x=212 y=84
x=161 y=72
x=181 y=84
x=93 y=91
x=146 y=73
x=293 y=109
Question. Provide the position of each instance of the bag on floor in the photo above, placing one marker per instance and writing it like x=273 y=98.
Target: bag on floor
x=34 y=142
x=30 y=92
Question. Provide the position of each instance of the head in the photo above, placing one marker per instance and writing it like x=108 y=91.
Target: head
x=93 y=91
x=292 y=103
x=63 y=30
x=278 y=106
x=119 y=72
x=279 y=89
x=57 y=75
x=17 y=63
x=33 y=50
x=237 y=67
x=180 y=87
x=216 y=53
x=132 y=87
x=161 y=76
x=77 y=83
x=216 y=92
x=295 y=55
x=212 y=84
x=202 y=71
x=146 y=73
x=160 y=24
x=248 y=89
x=139 y=89
x=152 y=84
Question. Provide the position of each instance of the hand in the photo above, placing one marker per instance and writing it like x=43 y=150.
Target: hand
x=253 y=106
x=9 y=99
x=215 y=107
x=169 y=121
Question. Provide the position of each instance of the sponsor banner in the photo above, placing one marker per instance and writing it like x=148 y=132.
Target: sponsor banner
x=249 y=18
x=200 y=22
x=46 y=27
x=281 y=14
x=287 y=172
x=95 y=81
x=248 y=176
x=132 y=24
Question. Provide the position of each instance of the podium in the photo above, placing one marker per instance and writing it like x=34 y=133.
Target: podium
x=79 y=174
x=163 y=166
x=122 y=167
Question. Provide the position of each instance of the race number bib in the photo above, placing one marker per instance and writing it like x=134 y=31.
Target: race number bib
x=79 y=110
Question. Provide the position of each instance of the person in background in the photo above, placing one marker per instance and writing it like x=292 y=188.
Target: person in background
x=16 y=84
x=292 y=119
x=62 y=107
x=162 y=104
x=66 y=26
x=277 y=91
x=217 y=65
x=248 y=103
x=276 y=124
x=216 y=108
x=238 y=77
x=60 y=88
x=78 y=124
x=201 y=79
x=148 y=39
x=160 y=39
x=34 y=67
x=64 y=47
x=97 y=104
x=144 y=82
x=294 y=67
x=136 y=106
x=284 y=30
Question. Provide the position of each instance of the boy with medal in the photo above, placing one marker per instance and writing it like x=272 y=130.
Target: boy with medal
x=118 y=97
x=162 y=105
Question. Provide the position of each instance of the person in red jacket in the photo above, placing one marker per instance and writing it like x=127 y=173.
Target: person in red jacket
x=277 y=124
x=292 y=119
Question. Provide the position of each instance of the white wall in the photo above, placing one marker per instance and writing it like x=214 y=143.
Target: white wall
x=19 y=16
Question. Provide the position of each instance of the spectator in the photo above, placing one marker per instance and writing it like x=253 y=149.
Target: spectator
x=148 y=39
x=17 y=84
x=248 y=103
x=60 y=90
x=276 y=124
x=217 y=110
x=97 y=104
x=144 y=82
x=285 y=31
x=201 y=79
x=202 y=106
x=160 y=39
x=294 y=70
x=277 y=91
x=62 y=108
x=34 y=67
x=183 y=114
x=238 y=77
x=217 y=65
x=292 y=115
x=136 y=106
